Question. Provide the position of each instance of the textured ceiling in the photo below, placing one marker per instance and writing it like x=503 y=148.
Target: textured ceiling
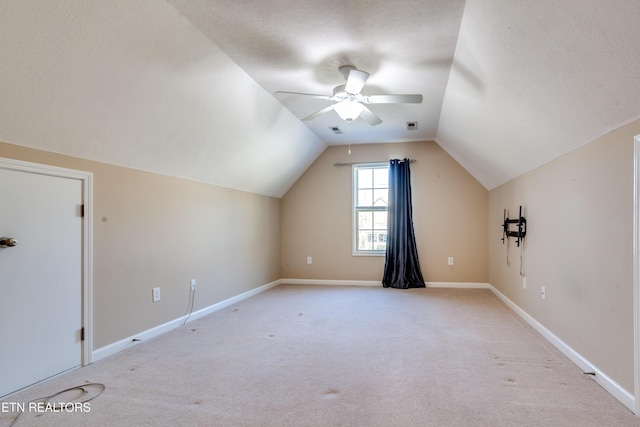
x=297 y=46
x=187 y=87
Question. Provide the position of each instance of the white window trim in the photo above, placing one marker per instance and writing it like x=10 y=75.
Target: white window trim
x=354 y=236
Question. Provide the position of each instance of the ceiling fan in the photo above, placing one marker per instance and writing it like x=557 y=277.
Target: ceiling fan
x=350 y=102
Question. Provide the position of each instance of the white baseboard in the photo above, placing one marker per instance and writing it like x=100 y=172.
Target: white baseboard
x=378 y=283
x=125 y=343
x=460 y=285
x=617 y=391
x=324 y=282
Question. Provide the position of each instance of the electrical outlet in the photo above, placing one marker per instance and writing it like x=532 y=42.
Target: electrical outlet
x=450 y=261
x=309 y=260
x=524 y=283
x=193 y=284
x=156 y=294
x=543 y=293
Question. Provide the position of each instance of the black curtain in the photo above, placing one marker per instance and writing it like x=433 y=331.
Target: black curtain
x=401 y=268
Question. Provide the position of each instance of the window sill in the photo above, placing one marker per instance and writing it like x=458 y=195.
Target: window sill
x=369 y=254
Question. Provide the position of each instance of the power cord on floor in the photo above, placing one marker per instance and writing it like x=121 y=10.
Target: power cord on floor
x=58 y=407
x=189 y=310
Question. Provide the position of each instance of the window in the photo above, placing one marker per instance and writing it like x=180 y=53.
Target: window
x=370 y=202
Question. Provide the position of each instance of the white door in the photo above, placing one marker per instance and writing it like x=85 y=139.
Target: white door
x=40 y=277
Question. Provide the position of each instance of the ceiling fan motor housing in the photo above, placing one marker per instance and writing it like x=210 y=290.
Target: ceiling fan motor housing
x=338 y=90
x=345 y=70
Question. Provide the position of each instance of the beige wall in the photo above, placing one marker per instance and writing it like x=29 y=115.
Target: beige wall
x=155 y=231
x=152 y=230
x=449 y=206
x=579 y=246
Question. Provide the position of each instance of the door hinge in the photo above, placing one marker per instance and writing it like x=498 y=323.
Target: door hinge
x=82 y=334
x=82 y=211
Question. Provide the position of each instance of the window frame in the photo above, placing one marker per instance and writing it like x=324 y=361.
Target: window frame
x=355 y=209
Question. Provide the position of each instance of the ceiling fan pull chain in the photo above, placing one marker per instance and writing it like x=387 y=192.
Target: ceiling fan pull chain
x=349 y=133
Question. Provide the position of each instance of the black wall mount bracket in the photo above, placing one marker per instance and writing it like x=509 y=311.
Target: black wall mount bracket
x=514 y=227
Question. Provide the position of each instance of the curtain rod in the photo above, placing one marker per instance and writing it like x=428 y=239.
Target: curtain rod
x=362 y=163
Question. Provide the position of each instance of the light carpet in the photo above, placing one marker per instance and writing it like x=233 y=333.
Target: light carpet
x=339 y=356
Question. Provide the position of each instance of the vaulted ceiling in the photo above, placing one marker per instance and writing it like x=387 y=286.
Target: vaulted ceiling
x=188 y=87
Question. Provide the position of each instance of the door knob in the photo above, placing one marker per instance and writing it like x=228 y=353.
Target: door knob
x=7 y=242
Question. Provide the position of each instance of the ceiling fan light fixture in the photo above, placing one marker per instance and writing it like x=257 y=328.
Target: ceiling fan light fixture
x=348 y=110
x=349 y=101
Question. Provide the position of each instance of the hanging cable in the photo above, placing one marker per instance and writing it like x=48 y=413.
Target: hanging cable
x=189 y=310
x=522 y=259
x=521 y=233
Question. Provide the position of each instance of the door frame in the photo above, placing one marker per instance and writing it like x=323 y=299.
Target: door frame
x=636 y=271
x=87 y=238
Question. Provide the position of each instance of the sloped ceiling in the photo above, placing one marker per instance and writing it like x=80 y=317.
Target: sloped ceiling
x=532 y=80
x=187 y=87
x=134 y=83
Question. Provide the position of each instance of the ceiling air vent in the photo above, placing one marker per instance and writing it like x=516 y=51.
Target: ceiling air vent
x=412 y=125
x=336 y=130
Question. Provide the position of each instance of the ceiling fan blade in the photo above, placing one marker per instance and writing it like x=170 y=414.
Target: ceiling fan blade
x=356 y=81
x=370 y=117
x=328 y=98
x=395 y=99
x=318 y=113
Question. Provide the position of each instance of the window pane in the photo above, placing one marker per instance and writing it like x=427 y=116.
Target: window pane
x=365 y=220
x=365 y=241
x=380 y=220
x=381 y=178
x=365 y=198
x=365 y=178
x=380 y=241
x=380 y=197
